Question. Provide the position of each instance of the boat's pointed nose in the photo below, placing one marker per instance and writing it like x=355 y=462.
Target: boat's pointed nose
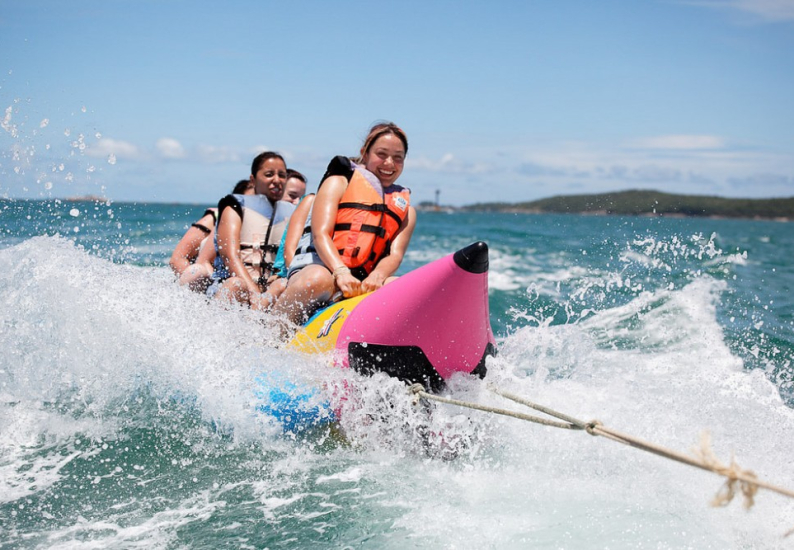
x=427 y=325
x=473 y=258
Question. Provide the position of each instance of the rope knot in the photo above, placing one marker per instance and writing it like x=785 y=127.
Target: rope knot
x=735 y=476
x=591 y=426
x=416 y=390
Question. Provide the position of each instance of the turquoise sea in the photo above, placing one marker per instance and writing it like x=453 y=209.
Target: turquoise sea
x=127 y=418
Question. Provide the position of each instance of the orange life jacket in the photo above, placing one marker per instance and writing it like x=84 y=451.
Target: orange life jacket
x=367 y=223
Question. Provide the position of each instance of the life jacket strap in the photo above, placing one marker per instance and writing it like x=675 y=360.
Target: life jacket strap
x=383 y=208
x=266 y=248
x=376 y=229
x=361 y=206
x=206 y=230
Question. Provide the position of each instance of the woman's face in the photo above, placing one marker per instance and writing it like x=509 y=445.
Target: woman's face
x=294 y=189
x=269 y=179
x=385 y=158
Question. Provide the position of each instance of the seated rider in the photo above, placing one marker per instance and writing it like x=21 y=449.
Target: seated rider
x=295 y=187
x=294 y=192
x=247 y=234
x=361 y=223
x=189 y=246
x=198 y=276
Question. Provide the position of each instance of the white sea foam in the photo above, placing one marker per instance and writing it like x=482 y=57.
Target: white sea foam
x=665 y=375
x=157 y=531
x=86 y=337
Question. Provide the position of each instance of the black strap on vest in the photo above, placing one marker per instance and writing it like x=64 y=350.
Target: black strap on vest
x=382 y=208
x=367 y=207
x=365 y=228
x=267 y=267
x=211 y=212
x=268 y=248
x=205 y=230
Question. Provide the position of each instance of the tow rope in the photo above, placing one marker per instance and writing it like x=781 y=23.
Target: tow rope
x=704 y=458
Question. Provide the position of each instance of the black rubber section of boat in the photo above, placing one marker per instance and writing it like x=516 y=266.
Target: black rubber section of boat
x=408 y=363
x=473 y=258
x=480 y=370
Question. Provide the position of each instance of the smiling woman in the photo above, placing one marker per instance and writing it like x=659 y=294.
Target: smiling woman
x=361 y=223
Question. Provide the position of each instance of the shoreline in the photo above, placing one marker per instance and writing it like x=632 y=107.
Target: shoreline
x=598 y=213
x=481 y=208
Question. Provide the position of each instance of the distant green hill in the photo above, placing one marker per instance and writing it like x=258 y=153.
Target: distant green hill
x=637 y=203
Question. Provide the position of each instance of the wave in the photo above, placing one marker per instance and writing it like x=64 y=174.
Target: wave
x=127 y=418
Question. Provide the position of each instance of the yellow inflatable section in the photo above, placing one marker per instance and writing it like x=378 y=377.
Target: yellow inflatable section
x=320 y=333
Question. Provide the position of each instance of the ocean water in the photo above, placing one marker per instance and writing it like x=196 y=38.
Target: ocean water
x=127 y=417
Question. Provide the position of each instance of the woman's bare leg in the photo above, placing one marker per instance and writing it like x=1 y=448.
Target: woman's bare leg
x=312 y=285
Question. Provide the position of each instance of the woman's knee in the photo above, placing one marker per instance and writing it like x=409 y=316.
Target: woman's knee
x=315 y=278
x=232 y=289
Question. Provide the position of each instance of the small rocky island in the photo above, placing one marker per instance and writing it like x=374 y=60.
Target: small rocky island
x=642 y=203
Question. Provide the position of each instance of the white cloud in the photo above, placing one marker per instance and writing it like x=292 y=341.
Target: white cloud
x=653 y=173
x=119 y=149
x=771 y=181
x=448 y=163
x=677 y=163
x=679 y=142
x=170 y=148
x=767 y=10
x=641 y=173
x=213 y=154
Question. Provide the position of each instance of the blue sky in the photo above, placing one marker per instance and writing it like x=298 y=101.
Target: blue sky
x=169 y=100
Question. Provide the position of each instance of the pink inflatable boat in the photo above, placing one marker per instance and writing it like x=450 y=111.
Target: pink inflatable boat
x=423 y=327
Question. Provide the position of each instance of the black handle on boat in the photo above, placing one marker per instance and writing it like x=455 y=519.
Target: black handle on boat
x=473 y=258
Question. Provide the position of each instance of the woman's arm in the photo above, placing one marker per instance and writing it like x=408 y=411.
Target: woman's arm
x=295 y=228
x=207 y=249
x=229 y=227
x=188 y=246
x=323 y=221
x=388 y=265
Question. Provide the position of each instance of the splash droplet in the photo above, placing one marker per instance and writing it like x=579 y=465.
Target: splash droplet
x=74 y=212
x=111 y=159
x=44 y=123
x=48 y=185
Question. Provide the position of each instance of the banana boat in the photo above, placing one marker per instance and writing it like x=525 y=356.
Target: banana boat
x=423 y=327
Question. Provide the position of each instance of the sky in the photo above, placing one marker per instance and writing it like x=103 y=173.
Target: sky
x=502 y=101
